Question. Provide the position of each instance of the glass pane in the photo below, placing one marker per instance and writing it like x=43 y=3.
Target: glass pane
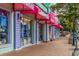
x=3 y=30
x=25 y=32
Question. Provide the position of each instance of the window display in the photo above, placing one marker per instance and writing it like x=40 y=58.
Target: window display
x=41 y=31
x=25 y=31
x=3 y=30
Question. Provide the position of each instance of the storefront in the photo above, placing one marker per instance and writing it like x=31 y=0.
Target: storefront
x=43 y=27
x=6 y=28
x=54 y=26
x=26 y=31
x=50 y=33
x=41 y=31
x=25 y=26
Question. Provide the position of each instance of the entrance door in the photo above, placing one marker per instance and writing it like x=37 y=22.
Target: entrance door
x=41 y=31
x=25 y=32
x=50 y=33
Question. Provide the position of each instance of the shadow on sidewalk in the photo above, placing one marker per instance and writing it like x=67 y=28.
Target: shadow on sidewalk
x=75 y=52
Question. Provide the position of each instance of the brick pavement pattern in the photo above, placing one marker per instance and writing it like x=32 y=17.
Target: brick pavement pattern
x=58 y=47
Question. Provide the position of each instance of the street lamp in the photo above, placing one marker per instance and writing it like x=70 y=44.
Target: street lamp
x=77 y=31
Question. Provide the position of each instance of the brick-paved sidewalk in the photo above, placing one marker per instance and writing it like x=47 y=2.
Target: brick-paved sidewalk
x=58 y=47
x=76 y=51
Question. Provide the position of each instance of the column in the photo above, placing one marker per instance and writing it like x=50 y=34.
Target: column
x=34 y=36
x=46 y=32
x=58 y=33
x=17 y=39
x=37 y=31
x=53 y=32
x=12 y=29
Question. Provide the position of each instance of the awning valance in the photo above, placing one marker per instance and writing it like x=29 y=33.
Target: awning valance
x=21 y=6
x=58 y=26
x=30 y=11
x=54 y=21
x=39 y=16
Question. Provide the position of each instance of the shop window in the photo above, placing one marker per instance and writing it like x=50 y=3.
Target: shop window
x=25 y=31
x=3 y=30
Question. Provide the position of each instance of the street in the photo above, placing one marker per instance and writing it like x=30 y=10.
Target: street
x=58 y=47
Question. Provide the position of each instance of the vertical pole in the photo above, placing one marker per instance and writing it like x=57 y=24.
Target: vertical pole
x=36 y=29
x=76 y=36
x=73 y=33
x=46 y=32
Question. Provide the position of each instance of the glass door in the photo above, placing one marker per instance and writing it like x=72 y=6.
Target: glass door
x=50 y=33
x=29 y=31
x=41 y=31
x=25 y=32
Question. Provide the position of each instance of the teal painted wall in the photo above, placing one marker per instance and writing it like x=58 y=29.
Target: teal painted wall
x=34 y=32
x=46 y=32
x=42 y=7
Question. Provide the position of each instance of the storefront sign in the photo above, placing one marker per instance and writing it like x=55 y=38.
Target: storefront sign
x=17 y=30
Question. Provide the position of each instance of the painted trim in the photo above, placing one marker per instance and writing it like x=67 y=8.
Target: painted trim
x=36 y=31
x=14 y=32
x=46 y=7
x=9 y=22
x=41 y=8
x=36 y=26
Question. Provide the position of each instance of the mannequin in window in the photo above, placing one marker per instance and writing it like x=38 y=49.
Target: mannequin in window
x=2 y=36
x=0 y=28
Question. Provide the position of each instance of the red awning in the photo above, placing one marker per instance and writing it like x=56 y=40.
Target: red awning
x=51 y=20
x=21 y=6
x=60 y=27
x=30 y=11
x=57 y=26
x=54 y=21
x=43 y=20
x=27 y=12
x=40 y=16
x=25 y=9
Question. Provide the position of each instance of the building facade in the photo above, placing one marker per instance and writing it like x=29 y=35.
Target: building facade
x=6 y=28
x=23 y=25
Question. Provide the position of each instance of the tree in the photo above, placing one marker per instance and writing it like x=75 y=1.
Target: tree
x=68 y=13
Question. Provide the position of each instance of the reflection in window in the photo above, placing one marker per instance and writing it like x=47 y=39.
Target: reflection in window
x=3 y=30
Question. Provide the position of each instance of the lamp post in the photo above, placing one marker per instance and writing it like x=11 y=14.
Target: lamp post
x=77 y=31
